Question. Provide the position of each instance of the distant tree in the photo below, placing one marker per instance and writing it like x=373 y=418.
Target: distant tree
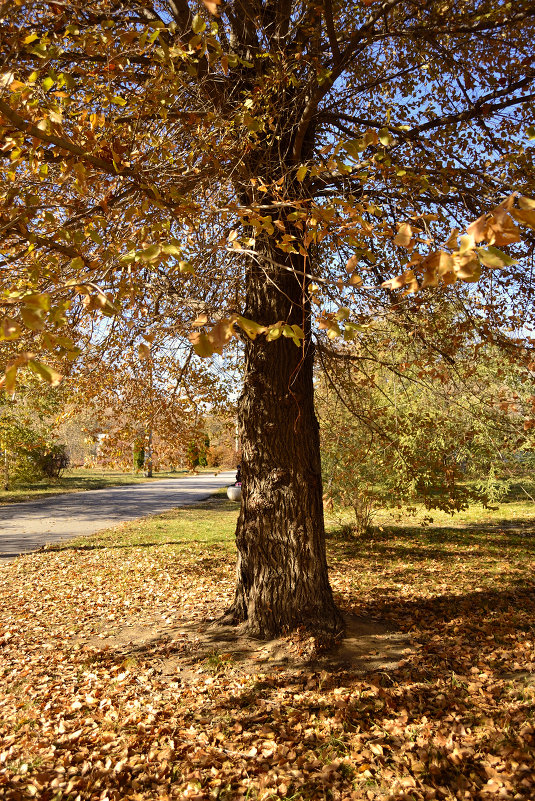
x=127 y=399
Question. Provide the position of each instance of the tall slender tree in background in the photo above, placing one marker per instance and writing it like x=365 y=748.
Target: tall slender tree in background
x=250 y=169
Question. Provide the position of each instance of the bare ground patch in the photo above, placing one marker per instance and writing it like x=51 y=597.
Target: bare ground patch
x=184 y=651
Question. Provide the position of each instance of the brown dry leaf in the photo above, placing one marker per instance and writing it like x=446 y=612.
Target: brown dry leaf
x=352 y=263
x=212 y=6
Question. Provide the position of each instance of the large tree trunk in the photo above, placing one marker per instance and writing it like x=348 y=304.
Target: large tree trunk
x=282 y=580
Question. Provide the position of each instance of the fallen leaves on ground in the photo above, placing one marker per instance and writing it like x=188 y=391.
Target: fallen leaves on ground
x=82 y=720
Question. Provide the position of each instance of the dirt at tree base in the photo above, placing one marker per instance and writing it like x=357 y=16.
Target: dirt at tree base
x=193 y=649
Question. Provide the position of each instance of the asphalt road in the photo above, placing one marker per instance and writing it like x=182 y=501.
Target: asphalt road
x=28 y=526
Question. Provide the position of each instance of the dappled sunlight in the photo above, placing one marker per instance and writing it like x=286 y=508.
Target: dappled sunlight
x=116 y=673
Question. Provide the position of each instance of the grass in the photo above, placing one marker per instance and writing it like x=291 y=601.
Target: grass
x=197 y=530
x=85 y=713
x=82 y=479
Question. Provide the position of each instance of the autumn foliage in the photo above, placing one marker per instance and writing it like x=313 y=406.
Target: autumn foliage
x=250 y=179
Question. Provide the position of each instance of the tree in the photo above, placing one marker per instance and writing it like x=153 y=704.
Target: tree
x=402 y=422
x=216 y=165
x=29 y=446
x=130 y=399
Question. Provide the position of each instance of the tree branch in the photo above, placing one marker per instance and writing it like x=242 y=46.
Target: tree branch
x=329 y=24
x=32 y=130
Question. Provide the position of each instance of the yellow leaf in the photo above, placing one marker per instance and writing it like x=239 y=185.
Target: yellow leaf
x=16 y=85
x=526 y=203
x=525 y=216
x=222 y=333
x=198 y=25
x=9 y=380
x=385 y=137
x=403 y=236
x=151 y=253
x=396 y=283
x=37 y=301
x=33 y=319
x=9 y=329
x=201 y=344
x=451 y=241
x=467 y=266
x=251 y=328
x=274 y=332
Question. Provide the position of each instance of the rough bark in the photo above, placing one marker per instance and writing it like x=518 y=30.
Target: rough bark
x=282 y=580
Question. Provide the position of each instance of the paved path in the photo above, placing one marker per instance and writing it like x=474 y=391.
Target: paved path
x=27 y=526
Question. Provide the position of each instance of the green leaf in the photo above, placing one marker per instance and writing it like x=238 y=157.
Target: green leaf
x=342 y=313
x=251 y=123
x=198 y=25
x=293 y=332
x=46 y=372
x=350 y=330
x=95 y=236
x=492 y=257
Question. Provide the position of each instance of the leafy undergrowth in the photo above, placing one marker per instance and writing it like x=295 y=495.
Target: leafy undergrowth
x=82 y=720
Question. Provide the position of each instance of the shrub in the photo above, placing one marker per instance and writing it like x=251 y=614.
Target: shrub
x=52 y=461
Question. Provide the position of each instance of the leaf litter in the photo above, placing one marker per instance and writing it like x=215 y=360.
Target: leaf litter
x=117 y=684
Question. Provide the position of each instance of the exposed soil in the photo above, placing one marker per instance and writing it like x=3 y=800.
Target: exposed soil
x=182 y=652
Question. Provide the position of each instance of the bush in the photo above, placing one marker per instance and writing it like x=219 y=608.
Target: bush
x=492 y=489
x=139 y=458
x=53 y=460
x=23 y=468
x=40 y=462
